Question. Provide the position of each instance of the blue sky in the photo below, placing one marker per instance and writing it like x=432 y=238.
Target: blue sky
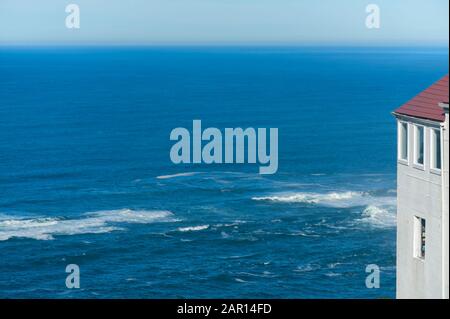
x=302 y=22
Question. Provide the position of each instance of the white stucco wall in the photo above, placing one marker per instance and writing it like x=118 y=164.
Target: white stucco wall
x=445 y=209
x=419 y=192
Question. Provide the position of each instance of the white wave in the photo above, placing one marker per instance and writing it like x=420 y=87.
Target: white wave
x=240 y=280
x=307 y=268
x=227 y=225
x=176 y=175
x=333 y=199
x=333 y=274
x=91 y=223
x=379 y=211
x=193 y=228
x=379 y=216
x=304 y=234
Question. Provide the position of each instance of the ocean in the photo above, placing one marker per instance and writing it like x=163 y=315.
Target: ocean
x=86 y=177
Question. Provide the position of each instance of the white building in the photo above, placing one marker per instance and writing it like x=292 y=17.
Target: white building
x=422 y=193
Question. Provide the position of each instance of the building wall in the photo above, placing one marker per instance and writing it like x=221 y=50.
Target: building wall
x=445 y=177
x=419 y=192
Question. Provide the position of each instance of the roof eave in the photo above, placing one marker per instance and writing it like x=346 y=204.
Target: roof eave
x=430 y=122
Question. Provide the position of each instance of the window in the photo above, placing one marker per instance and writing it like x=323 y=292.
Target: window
x=436 y=149
x=403 y=141
x=419 y=145
x=419 y=237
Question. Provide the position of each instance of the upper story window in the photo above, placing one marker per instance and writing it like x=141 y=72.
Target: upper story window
x=419 y=237
x=403 y=141
x=419 y=144
x=435 y=149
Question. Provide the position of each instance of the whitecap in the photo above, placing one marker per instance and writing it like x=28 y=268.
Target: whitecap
x=264 y=274
x=378 y=211
x=44 y=228
x=304 y=234
x=193 y=228
x=333 y=274
x=240 y=280
x=337 y=264
x=307 y=268
x=379 y=216
x=343 y=199
x=238 y=256
x=226 y=225
x=176 y=175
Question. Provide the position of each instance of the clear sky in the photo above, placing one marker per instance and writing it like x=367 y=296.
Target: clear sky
x=302 y=22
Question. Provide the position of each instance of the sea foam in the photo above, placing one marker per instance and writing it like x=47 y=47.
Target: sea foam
x=193 y=228
x=44 y=228
x=333 y=199
x=379 y=216
x=176 y=175
x=378 y=211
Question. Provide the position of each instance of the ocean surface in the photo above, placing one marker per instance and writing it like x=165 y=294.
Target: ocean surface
x=86 y=177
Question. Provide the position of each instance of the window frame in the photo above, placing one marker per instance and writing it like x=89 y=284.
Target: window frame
x=400 y=142
x=415 y=146
x=434 y=132
x=420 y=238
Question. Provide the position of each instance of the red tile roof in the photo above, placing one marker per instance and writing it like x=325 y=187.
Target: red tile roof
x=426 y=104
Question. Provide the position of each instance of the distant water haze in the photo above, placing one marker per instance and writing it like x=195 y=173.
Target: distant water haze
x=195 y=22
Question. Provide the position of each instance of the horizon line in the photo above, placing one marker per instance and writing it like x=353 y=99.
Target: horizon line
x=233 y=44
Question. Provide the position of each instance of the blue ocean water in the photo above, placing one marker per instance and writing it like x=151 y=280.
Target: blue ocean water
x=86 y=178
